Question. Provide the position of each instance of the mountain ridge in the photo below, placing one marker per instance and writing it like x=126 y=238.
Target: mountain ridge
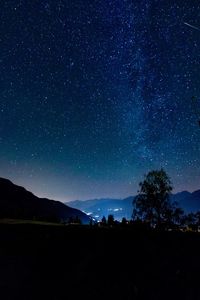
x=189 y=201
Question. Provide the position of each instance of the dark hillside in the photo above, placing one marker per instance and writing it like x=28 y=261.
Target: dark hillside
x=17 y=202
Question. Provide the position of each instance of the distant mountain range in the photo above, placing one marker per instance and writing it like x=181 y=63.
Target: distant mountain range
x=18 y=203
x=120 y=208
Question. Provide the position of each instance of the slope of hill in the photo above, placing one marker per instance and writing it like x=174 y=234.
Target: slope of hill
x=17 y=202
x=120 y=208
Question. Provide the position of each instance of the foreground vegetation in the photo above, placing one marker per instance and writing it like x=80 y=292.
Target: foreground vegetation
x=75 y=262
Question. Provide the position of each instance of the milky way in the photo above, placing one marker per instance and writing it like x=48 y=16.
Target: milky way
x=94 y=94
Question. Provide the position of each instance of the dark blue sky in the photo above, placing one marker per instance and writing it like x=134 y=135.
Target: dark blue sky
x=94 y=94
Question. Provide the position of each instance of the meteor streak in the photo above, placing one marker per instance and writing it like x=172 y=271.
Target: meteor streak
x=194 y=27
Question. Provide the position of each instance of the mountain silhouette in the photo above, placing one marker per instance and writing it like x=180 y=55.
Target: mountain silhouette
x=18 y=203
x=190 y=202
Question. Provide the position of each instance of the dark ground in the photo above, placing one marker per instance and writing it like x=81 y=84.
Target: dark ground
x=61 y=262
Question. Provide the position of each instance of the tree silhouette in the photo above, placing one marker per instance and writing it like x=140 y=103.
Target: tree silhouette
x=191 y=221
x=174 y=215
x=198 y=218
x=153 y=202
x=124 y=221
x=178 y=216
x=103 y=220
x=77 y=220
x=110 y=219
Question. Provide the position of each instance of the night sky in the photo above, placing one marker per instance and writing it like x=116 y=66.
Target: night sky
x=96 y=93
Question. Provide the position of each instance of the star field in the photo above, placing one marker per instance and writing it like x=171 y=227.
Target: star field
x=93 y=94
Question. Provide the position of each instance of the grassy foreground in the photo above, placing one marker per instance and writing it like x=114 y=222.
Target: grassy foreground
x=62 y=262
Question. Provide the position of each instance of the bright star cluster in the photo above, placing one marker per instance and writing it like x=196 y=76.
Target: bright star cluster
x=94 y=94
